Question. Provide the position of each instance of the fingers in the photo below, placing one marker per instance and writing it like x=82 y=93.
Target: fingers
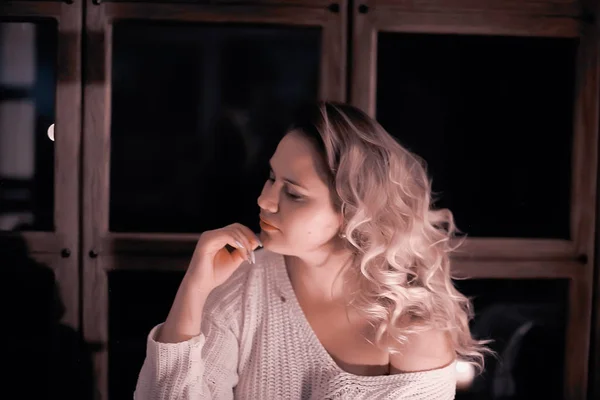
x=249 y=235
x=237 y=236
x=241 y=242
x=246 y=239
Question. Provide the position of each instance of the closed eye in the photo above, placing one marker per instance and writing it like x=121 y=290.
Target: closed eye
x=289 y=193
x=293 y=196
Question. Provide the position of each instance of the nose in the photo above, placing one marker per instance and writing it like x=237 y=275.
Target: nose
x=269 y=198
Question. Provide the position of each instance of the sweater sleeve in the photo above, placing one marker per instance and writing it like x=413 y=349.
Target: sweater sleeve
x=204 y=367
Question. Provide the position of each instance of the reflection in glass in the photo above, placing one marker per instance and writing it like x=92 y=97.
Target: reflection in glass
x=196 y=113
x=492 y=117
x=526 y=319
x=27 y=97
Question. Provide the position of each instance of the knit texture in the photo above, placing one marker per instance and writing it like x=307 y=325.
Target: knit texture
x=257 y=344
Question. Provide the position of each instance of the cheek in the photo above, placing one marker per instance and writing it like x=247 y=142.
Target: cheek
x=316 y=223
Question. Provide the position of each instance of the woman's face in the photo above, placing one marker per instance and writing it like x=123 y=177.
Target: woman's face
x=297 y=216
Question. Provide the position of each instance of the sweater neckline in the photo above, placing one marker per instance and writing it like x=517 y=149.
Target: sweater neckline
x=289 y=296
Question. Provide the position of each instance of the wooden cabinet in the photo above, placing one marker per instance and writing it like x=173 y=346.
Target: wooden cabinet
x=40 y=125
x=500 y=98
x=166 y=112
x=177 y=90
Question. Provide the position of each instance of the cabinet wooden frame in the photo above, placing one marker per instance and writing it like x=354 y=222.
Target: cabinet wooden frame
x=62 y=243
x=479 y=258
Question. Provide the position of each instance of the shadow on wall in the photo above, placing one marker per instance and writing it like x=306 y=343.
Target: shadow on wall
x=44 y=358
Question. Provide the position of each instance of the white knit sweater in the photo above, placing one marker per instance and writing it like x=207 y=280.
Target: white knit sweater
x=256 y=344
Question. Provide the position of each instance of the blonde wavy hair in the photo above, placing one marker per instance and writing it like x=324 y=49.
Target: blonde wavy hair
x=401 y=245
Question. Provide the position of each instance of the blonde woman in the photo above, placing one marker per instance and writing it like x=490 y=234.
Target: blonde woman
x=345 y=293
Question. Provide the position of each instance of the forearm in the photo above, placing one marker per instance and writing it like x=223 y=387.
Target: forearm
x=185 y=317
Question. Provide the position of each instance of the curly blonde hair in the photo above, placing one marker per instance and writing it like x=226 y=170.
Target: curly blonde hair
x=401 y=245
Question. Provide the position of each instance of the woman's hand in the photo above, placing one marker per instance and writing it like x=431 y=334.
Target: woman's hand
x=213 y=263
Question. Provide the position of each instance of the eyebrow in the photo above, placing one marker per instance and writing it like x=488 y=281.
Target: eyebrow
x=287 y=179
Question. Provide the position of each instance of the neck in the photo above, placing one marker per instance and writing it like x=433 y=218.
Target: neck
x=318 y=276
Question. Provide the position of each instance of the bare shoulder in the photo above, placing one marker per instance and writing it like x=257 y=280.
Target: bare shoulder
x=424 y=351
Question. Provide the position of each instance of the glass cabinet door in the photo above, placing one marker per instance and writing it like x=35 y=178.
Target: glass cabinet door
x=27 y=114
x=196 y=112
x=185 y=105
x=500 y=100
x=461 y=101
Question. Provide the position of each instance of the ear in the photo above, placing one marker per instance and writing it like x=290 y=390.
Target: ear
x=341 y=227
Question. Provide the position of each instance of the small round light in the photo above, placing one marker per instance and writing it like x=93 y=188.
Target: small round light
x=51 y=132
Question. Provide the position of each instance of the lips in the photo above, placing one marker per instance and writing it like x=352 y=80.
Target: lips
x=266 y=224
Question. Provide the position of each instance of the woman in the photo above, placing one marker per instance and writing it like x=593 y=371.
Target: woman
x=350 y=297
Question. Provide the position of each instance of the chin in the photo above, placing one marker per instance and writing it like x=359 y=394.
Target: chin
x=272 y=244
